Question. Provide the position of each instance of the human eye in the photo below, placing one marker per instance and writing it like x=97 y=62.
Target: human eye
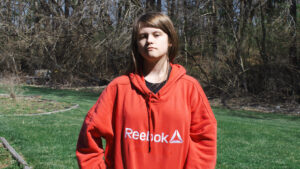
x=156 y=34
x=142 y=36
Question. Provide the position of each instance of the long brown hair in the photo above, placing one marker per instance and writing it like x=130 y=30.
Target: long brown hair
x=155 y=20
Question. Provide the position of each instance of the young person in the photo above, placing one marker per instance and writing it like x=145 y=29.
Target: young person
x=156 y=116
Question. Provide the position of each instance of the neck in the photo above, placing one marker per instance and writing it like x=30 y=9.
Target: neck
x=156 y=72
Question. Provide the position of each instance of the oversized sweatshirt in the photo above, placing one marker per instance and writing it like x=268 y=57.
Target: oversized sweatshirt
x=172 y=129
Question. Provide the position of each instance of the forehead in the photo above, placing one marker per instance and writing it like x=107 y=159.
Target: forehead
x=146 y=29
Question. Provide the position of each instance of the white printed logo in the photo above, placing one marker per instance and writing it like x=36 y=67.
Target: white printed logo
x=158 y=138
x=176 y=138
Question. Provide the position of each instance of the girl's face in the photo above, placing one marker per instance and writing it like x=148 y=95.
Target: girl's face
x=153 y=44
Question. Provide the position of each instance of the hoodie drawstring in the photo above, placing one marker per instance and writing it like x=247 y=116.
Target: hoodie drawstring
x=150 y=128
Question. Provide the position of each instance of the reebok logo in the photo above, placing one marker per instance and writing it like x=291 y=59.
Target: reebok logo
x=157 y=138
x=176 y=138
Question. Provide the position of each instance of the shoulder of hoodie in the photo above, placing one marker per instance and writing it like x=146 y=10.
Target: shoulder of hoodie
x=187 y=78
x=194 y=85
x=120 y=80
x=191 y=80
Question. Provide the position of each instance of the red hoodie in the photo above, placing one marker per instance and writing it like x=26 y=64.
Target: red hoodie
x=172 y=129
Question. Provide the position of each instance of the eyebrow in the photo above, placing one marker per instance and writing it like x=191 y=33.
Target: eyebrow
x=152 y=32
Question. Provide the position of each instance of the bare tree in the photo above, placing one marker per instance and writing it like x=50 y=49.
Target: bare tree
x=232 y=47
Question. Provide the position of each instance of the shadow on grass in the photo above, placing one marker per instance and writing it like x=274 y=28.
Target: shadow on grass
x=256 y=115
x=29 y=90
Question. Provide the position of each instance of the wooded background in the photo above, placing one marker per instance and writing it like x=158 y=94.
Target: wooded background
x=233 y=47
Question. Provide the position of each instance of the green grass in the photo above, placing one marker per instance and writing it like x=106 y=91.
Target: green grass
x=245 y=139
x=257 y=140
x=29 y=105
x=48 y=141
x=6 y=160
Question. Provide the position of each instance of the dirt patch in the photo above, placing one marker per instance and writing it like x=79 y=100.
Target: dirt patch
x=92 y=89
x=29 y=105
x=253 y=104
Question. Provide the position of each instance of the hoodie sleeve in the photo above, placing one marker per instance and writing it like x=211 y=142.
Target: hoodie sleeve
x=97 y=125
x=203 y=133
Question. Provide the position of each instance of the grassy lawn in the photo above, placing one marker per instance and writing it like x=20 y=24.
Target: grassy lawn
x=48 y=141
x=245 y=139
x=256 y=140
x=29 y=105
x=6 y=160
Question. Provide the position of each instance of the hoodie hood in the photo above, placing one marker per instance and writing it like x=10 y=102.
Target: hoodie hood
x=138 y=81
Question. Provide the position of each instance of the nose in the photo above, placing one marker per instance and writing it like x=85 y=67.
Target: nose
x=150 y=39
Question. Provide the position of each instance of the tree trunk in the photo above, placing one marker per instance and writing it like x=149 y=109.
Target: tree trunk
x=293 y=49
x=158 y=5
x=240 y=38
x=119 y=15
x=263 y=38
x=67 y=6
x=214 y=31
x=185 y=30
x=172 y=8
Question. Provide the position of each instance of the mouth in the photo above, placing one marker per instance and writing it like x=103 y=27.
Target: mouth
x=150 y=48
